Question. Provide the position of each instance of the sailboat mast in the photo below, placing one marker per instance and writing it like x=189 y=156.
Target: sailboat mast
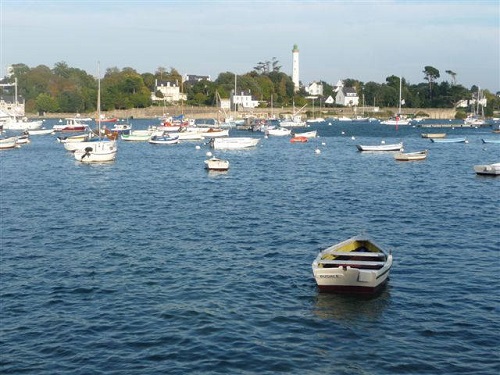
x=234 y=102
x=98 y=100
x=400 y=85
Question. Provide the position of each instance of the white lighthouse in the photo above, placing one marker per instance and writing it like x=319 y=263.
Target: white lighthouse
x=295 y=67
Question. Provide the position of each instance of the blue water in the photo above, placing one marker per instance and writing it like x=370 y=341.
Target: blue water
x=152 y=265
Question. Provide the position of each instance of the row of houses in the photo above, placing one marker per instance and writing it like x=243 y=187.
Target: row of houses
x=171 y=92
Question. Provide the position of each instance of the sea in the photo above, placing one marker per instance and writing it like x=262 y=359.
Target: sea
x=153 y=265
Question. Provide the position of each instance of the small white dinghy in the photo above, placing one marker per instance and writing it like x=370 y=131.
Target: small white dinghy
x=216 y=164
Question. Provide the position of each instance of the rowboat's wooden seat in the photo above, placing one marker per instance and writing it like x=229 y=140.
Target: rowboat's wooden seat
x=357 y=254
x=361 y=263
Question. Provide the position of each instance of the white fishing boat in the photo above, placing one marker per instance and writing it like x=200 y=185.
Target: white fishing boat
x=12 y=117
x=73 y=124
x=14 y=122
x=356 y=265
x=381 y=147
x=121 y=128
x=101 y=151
x=488 y=169
x=233 y=143
x=411 y=156
x=216 y=164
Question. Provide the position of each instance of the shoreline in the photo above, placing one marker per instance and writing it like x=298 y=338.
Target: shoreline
x=210 y=112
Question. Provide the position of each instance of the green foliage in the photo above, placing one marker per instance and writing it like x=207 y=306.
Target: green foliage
x=67 y=89
x=46 y=103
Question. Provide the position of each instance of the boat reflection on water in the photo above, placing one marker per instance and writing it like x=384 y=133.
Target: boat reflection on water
x=349 y=307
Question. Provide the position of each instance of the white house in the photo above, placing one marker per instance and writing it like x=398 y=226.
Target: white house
x=314 y=89
x=170 y=90
x=347 y=96
x=193 y=78
x=243 y=100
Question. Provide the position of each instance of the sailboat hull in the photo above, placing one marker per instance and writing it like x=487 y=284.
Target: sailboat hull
x=99 y=152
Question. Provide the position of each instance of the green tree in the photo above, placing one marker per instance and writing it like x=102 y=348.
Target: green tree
x=431 y=74
x=46 y=103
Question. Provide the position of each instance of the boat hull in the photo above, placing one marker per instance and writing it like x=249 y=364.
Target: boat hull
x=233 y=143
x=448 y=140
x=215 y=164
x=298 y=139
x=490 y=140
x=164 y=140
x=8 y=143
x=411 y=156
x=381 y=147
x=488 y=169
x=99 y=152
x=433 y=135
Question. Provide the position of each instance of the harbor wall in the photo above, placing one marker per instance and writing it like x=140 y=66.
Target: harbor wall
x=211 y=112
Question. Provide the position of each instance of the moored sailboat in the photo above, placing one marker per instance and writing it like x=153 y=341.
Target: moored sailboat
x=101 y=151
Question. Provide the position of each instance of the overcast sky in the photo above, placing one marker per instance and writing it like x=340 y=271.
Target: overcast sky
x=366 y=40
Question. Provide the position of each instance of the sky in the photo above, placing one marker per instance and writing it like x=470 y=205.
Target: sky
x=366 y=40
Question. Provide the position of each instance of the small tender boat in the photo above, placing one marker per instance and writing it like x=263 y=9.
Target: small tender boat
x=279 y=131
x=356 y=265
x=449 y=140
x=216 y=164
x=310 y=134
x=214 y=133
x=23 y=139
x=381 y=147
x=135 y=137
x=299 y=139
x=41 y=131
x=410 y=156
x=164 y=139
x=233 y=143
x=490 y=140
x=188 y=136
x=7 y=143
x=433 y=135
x=488 y=169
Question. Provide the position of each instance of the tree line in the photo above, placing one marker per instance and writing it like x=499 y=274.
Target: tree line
x=71 y=90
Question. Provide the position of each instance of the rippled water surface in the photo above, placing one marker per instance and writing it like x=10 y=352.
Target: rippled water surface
x=152 y=265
